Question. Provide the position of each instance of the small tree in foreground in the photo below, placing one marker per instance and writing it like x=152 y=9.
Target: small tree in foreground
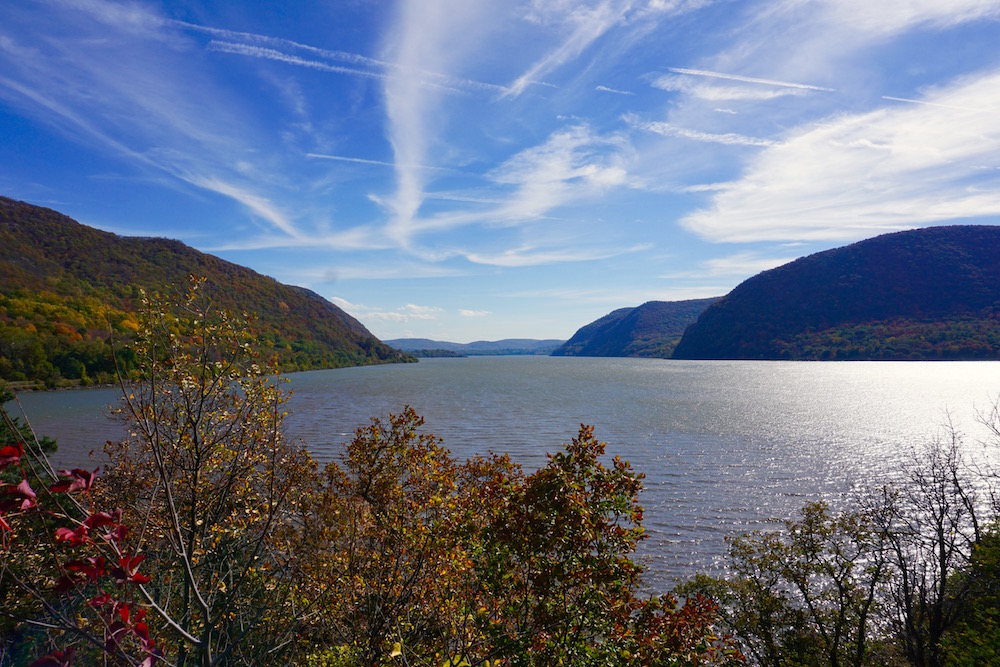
x=906 y=576
x=211 y=486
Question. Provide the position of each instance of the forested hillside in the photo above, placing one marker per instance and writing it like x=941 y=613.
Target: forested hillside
x=649 y=330
x=923 y=294
x=65 y=288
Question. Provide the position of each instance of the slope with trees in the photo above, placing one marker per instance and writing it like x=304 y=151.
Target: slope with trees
x=649 y=330
x=923 y=294
x=66 y=288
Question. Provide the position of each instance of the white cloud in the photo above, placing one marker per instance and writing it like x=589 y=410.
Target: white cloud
x=259 y=205
x=714 y=92
x=856 y=175
x=670 y=130
x=532 y=256
x=273 y=54
x=888 y=17
x=747 y=79
x=572 y=164
x=619 y=297
x=406 y=313
x=474 y=313
x=581 y=25
x=430 y=36
x=605 y=89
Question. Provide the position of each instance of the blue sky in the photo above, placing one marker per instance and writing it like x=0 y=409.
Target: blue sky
x=463 y=169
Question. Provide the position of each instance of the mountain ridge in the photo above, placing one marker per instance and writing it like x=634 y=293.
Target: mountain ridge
x=67 y=287
x=648 y=330
x=930 y=293
x=504 y=347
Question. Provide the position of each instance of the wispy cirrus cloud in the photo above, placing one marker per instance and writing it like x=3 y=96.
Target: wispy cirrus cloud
x=573 y=163
x=378 y=163
x=433 y=36
x=891 y=17
x=114 y=86
x=671 y=130
x=536 y=256
x=260 y=206
x=712 y=91
x=290 y=59
x=256 y=45
x=605 y=89
x=581 y=24
x=748 y=79
x=855 y=175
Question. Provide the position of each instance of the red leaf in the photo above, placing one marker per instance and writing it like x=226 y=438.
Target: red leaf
x=99 y=519
x=73 y=536
x=68 y=581
x=79 y=480
x=129 y=570
x=11 y=454
x=56 y=659
x=93 y=567
x=101 y=600
x=112 y=634
x=24 y=496
x=116 y=534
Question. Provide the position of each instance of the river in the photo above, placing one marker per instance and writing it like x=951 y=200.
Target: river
x=726 y=446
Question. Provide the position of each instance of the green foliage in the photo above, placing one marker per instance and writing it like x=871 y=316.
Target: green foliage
x=975 y=637
x=807 y=595
x=960 y=338
x=558 y=558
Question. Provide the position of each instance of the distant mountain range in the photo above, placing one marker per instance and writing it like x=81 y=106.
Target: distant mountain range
x=649 y=330
x=930 y=293
x=64 y=287
x=424 y=347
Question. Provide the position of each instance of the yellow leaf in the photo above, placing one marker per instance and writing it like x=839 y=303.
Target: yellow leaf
x=397 y=650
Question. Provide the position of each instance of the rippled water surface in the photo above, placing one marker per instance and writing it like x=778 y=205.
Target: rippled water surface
x=725 y=446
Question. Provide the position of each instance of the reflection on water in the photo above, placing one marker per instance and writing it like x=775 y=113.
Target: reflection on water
x=725 y=446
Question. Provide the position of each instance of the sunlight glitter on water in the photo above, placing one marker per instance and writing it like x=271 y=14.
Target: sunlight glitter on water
x=725 y=446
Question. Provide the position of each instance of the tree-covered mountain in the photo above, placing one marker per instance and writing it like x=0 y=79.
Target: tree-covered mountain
x=480 y=348
x=649 y=330
x=65 y=288
x=929 y=293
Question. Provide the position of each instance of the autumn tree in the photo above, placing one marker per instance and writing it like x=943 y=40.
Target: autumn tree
x=436 y=562
x=210 y=484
